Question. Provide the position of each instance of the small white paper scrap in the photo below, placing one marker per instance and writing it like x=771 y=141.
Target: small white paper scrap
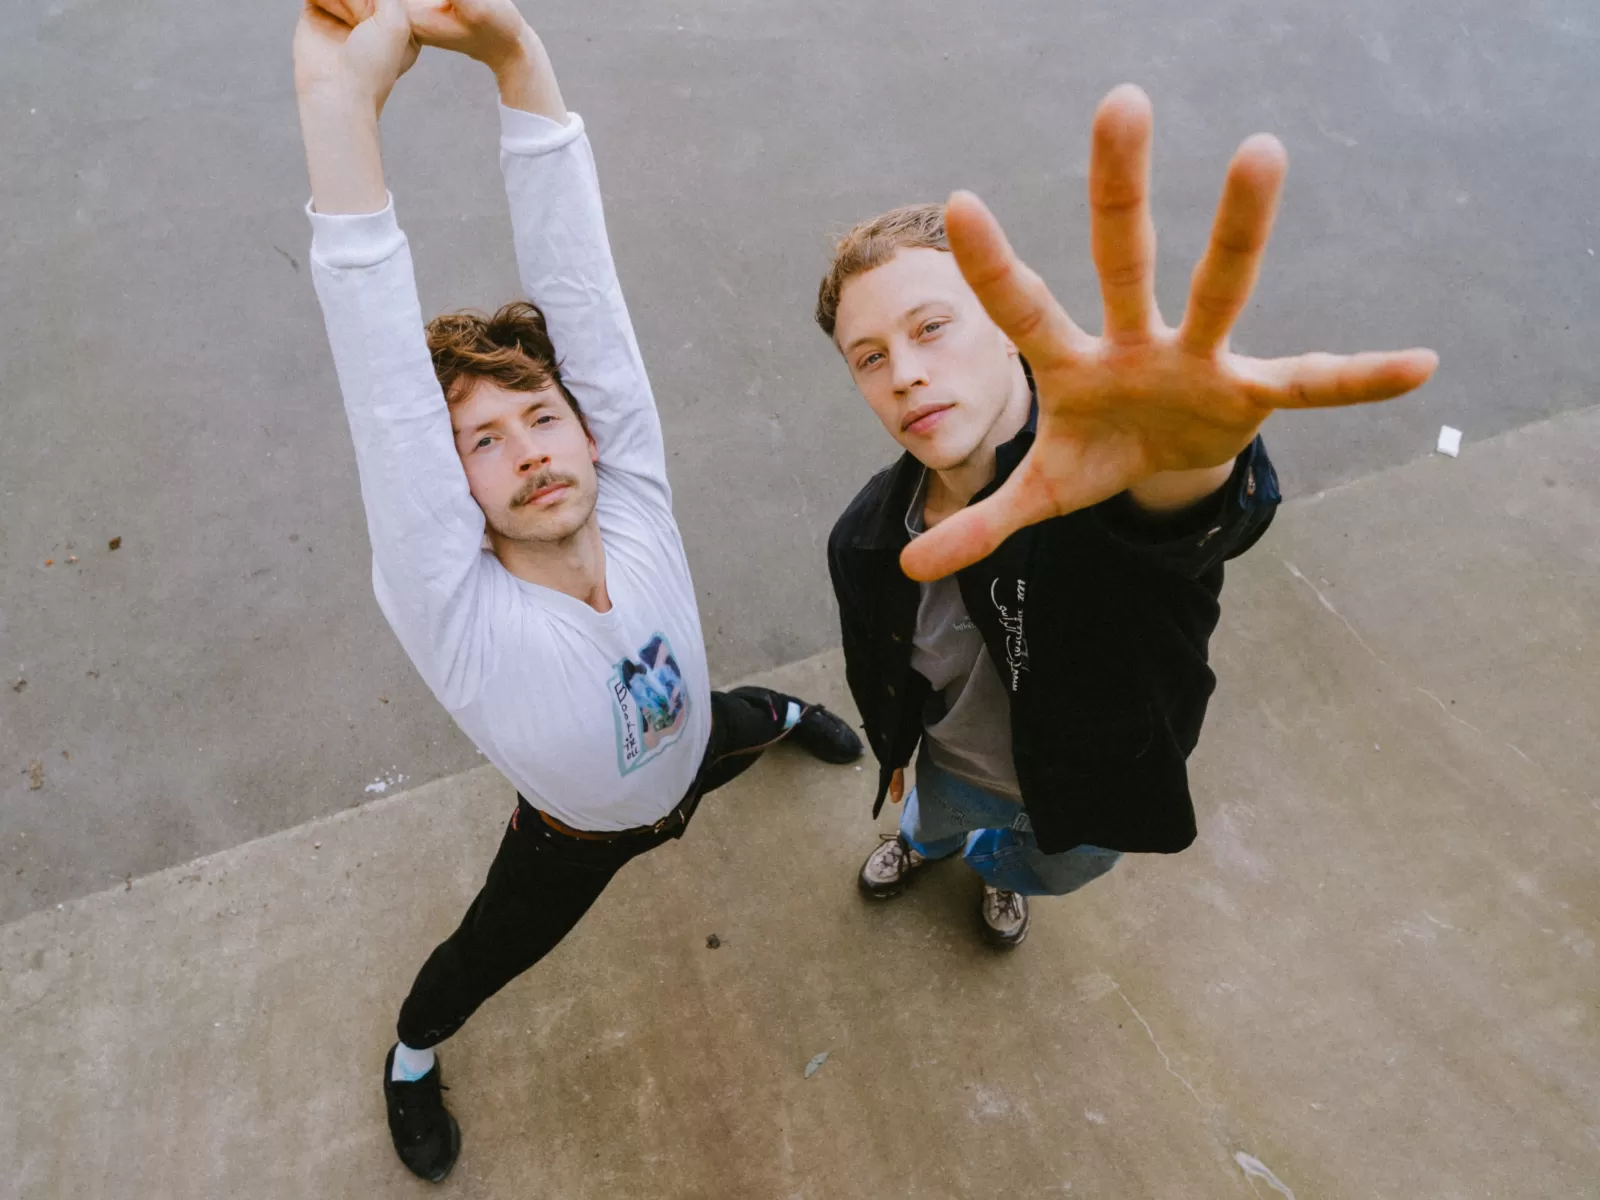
x=815 y=1064
x=1450 y=441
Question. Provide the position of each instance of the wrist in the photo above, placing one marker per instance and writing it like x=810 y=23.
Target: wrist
x=518 y=60
x=527 y=81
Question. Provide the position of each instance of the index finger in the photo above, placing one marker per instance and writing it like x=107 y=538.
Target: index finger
x=1011 y=292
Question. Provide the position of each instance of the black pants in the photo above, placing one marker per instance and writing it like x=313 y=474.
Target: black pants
x=541 y=881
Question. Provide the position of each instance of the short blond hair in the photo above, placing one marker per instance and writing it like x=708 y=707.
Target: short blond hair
x=873 y=243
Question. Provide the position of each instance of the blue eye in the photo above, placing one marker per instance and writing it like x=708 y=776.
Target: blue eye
x=868 y=361
x=933 y=326
x=482 y=442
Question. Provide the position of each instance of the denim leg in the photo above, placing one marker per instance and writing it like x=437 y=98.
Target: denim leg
x=1011 y=859
x=932 y=829
x=942 y=811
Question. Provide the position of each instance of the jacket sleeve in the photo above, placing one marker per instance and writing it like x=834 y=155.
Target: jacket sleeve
x=853 y=628
x=1221 y=527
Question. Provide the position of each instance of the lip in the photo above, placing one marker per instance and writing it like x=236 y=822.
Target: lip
x=552 y=494
x=923 y=420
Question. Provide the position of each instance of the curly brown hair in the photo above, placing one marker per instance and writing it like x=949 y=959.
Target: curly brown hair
x=511 y=348
x=873 y=243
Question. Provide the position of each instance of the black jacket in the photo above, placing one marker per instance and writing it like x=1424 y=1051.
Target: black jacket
x=1098 y=623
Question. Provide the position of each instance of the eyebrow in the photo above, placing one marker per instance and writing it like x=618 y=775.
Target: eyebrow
x=905 y=316
x=541 y=402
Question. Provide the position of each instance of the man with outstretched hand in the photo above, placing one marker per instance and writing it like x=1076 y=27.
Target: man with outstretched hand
x=1028 y=594
x=524 y=548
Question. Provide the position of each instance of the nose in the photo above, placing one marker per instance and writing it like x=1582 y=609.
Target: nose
x=907 y=372
x=530 y=456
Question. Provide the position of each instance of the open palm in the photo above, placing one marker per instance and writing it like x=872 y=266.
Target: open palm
x=1141 y=398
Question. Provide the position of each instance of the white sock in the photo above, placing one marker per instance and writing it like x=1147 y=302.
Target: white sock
x=410 y=1065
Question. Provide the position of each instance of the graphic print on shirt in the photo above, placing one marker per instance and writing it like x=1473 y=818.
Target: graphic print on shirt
x=650 y=703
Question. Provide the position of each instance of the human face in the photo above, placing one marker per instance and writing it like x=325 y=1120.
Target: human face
x=931 y=364
x=529 y=463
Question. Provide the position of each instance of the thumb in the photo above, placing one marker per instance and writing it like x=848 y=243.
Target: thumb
x=975 y=533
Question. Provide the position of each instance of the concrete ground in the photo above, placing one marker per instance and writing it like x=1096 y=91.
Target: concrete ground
x=164 y=379
x=1373 y=976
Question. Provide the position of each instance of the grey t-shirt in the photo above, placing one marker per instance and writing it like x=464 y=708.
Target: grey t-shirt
x=967 y=724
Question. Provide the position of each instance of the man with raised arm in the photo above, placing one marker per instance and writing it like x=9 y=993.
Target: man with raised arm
x=523 y=543
x=1028 y=594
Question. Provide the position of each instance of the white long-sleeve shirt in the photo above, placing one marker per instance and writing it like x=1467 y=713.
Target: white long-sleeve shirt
x=600 y=719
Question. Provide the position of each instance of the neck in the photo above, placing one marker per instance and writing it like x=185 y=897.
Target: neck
x=950 y=489
x=575 y=565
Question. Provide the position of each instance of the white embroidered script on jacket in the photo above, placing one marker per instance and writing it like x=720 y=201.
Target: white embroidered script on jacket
x=1016 y=640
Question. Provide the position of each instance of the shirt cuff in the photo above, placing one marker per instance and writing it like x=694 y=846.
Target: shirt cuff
x=346 y=241
x=523 y=132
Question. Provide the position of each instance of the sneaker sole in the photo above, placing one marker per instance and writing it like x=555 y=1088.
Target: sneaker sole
x=878 y=892
x=999 y=940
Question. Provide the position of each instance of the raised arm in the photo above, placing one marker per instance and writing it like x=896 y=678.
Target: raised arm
x=563 y=254
x=426 y=531
x=343 y=74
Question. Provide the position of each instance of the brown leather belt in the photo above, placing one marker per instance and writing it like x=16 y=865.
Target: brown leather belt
x=587 y=835
x=591 y=835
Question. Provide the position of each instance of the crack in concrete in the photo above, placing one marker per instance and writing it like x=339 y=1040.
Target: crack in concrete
x=1252 y=1166
x=1165 y=1058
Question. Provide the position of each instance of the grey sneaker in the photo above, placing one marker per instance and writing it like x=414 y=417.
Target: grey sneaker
x=1005 y=917
x=887 y=868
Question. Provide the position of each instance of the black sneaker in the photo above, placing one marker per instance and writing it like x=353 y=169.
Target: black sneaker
x=1004 y=917
x=426 y=1136
x=822 y=735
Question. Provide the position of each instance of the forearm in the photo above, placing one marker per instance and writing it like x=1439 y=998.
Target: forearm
x=527 y=80
x=344 y=156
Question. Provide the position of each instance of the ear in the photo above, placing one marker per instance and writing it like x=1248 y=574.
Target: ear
x=594 y=450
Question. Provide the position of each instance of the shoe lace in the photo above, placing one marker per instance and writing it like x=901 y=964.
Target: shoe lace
x=414 y=1106
x=899 y=855
x=1008 y=904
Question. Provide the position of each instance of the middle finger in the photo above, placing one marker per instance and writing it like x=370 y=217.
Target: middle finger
x=1122 y=234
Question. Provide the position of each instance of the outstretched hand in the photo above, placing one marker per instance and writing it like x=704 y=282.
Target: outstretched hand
x=1141 y=398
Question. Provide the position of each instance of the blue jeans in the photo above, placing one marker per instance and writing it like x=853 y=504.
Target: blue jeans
x=944 y=814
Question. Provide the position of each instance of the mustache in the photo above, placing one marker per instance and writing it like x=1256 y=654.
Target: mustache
x=539 y=483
